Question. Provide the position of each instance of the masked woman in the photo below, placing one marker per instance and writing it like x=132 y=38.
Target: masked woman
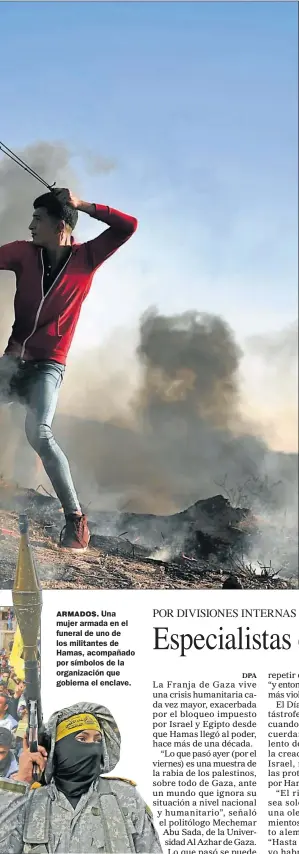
x=77 y=810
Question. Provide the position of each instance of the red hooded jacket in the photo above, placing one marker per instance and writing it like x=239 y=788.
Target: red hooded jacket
x=45 y=323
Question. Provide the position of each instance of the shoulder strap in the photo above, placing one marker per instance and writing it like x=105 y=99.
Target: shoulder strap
x=119 y=828
x=37 y=822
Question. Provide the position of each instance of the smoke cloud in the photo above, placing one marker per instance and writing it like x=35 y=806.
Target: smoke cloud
x=271 y=386
x=95 y=163
x=167 y=428
x=156 y=418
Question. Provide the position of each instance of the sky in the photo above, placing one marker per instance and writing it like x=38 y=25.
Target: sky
x=193 y=109
x=196 y=105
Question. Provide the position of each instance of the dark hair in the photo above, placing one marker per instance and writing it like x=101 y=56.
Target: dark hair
x=55 y=209
x=6 y=738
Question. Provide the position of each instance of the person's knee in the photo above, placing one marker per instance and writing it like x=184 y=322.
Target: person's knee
x=39 y=435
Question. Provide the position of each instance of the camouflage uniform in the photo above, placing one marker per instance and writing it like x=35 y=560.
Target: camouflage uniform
x=111 y=818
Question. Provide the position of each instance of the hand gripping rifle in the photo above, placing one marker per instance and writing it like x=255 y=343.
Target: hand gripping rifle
x=27 y=601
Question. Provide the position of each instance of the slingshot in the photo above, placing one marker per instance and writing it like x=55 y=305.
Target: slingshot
x=19 y=162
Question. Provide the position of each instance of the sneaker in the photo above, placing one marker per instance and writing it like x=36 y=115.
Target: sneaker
x=75 y=534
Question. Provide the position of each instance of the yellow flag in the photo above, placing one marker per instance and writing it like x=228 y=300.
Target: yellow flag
x=22 y=727
x=15 y=659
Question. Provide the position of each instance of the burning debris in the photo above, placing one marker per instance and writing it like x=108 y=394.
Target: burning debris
x=208 y=527
x=199 y=547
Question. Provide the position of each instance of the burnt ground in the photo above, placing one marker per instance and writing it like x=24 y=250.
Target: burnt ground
x=197 y=548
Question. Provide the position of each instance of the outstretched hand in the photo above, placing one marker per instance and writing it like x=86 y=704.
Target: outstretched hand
x=66 y=197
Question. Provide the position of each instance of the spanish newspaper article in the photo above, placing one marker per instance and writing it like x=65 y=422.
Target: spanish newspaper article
x=201 y=696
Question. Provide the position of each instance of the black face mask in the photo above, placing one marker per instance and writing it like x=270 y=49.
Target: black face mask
x=76 y=765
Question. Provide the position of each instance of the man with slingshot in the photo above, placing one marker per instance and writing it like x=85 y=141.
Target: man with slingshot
x=53 y=277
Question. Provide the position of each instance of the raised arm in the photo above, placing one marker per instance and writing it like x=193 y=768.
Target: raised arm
x=121 y=226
